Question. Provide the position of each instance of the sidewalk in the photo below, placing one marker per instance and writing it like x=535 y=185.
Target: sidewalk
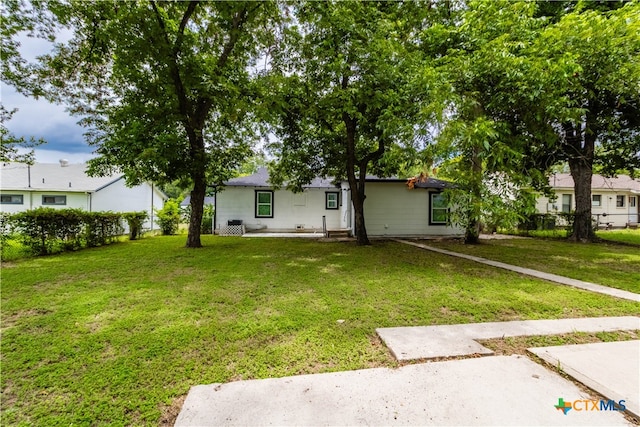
x=618 y=293
x=496 y=390
x=499 y=390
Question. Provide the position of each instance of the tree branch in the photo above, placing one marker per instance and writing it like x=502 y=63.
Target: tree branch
x=183 y=101
x=183 y=23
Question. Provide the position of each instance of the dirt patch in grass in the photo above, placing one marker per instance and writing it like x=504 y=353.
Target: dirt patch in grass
x=11 y=319
x=170 y=412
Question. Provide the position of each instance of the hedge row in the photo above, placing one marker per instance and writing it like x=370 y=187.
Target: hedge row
x=48 y=230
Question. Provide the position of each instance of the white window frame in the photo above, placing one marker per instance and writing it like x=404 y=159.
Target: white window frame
x=569 y=205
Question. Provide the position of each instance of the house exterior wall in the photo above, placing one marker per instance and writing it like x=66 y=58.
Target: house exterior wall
x=606 y=212
x=33 y=200
x=289 y=210
x=392 y=209
x=117 y=197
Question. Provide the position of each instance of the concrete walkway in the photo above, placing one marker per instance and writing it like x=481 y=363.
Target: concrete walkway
x=618 y=293
x=498 y=390
x=610 y=368
x=430 y=342
x=501 y=390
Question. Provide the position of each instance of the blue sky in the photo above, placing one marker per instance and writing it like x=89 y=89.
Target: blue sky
x=41 y=119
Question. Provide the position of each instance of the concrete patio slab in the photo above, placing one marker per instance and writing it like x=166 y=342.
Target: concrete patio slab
x=501 y=390
x=611 y=368
x=580 y=284
x=429 y=342
x=291 y=235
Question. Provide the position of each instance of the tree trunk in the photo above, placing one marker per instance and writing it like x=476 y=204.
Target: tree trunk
x=356 y=186
x=581 y=167
x=582 y=227
x=198 y=175
x=357 y=198
x=472 y=232
x=197 y=208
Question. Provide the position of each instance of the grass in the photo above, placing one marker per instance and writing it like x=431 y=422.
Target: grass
x=602 y=263
x=11 y=249
x=116 y=335
x=519 y=345
x=628 y=236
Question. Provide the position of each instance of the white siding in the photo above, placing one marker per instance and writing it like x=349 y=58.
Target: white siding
x=392 y=209
x=289 y=209
x=607 y=212
x=33 y=200
x=117 y=197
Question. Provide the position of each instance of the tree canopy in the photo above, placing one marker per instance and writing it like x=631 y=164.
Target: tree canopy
x=349 y=90
x=530 y=91
x=170 y=91
x=165 y=88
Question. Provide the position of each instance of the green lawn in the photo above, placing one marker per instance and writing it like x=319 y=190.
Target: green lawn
x=625 y=236
x=114 y=335
x=603 y=263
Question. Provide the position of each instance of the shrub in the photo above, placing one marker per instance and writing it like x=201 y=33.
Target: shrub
x=169 y=217
x=207 y=218
x=102 y=228
x=46 y=230
x=135 y=221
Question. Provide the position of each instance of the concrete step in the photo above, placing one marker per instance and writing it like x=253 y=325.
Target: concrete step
x=343 y=232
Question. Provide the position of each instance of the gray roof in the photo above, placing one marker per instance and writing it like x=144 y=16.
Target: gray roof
x=621 y=182
x=261 y=179
x=207 y=201
x=421 y=183
x=52 y=177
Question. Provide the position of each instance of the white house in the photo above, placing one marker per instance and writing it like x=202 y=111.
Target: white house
x=65 y=185
x=614 y=201
x=391 y=207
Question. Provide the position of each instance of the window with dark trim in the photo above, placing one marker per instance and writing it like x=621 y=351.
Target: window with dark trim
x=619 y=201
x=596 y=200
x=331 y=200
x=438 y=209
x=12 y=199
x=264 y=204
x=54 y=200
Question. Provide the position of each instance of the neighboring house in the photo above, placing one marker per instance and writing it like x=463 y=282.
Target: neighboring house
x=391 y=207
x=67 y=185
x=614 y=201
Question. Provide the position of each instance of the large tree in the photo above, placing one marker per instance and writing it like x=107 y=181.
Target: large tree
x=535 y=84
x=165 y=88
x=495 y=135
x=349 y=91
x=604 y=94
